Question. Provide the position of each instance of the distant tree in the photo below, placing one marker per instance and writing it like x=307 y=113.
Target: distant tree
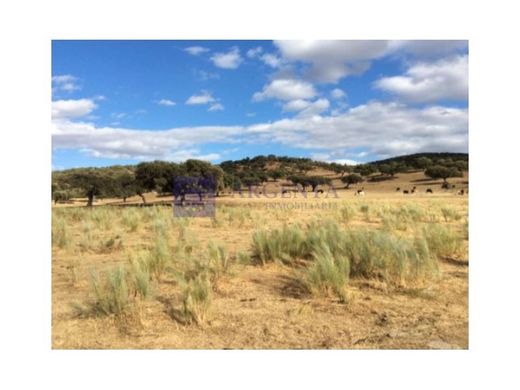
x=304 y=166
x=276 y=174
x=233 y=182
x=339 y=168
x=299 y=180
x=315 y=181
x=442 y=172
x=91 y=183
x=157 y=175
x=423 y=162
x=60 y=196
x=461 y=165
x=365 y=169
x=353 y=178
x=392 y=168
x=125 y=185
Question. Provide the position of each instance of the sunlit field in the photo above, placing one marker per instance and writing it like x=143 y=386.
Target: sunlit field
x=383 y=270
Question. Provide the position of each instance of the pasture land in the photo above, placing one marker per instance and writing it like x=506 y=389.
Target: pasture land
x=381 y=271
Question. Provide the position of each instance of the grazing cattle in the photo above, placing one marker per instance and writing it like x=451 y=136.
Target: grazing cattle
x=461 y=192
x=405 y=192
x=413 y=189
x=320 y=191
x=398 y=189
x=360 y=192
x=429 y=191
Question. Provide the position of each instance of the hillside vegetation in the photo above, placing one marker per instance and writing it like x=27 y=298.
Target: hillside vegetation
x=170 y=178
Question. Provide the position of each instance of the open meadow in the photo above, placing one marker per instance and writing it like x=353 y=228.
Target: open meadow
x=384 y=270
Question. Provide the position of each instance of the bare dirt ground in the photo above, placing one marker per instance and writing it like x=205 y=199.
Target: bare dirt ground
x=260 y=307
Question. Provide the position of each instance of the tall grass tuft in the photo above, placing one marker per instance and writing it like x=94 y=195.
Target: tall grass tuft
x=219 y=260
x=450 y=214
x=131 y=218
x=443 y=241
x=328 y=274
x=196 y=297
x=60 y=234
x=159 y=257
x=285 y=244
x=110 y=294
x=348 y=213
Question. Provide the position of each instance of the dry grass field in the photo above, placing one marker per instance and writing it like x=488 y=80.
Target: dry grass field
x=385 y=270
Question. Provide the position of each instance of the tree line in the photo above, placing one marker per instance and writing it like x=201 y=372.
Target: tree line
x=201 y=177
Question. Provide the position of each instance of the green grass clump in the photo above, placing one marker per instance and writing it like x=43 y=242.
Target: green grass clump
x=348 y=213
x=140 y=276
x=111 y=294
x=60 y=234
x=196 y=298
x=450 y=214
x=443 y=241
x=219 y=259
x=328 y=274
x=159 y=257
x=243 y=258
x=283 y=244
x=371 y=253
x=379 y=254
x=131 y=219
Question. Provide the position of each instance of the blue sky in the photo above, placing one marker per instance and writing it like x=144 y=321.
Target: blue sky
x=121 y=102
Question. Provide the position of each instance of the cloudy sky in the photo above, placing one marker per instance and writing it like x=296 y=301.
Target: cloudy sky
x=121 y=102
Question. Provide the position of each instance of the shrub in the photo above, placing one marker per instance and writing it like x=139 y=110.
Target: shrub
x=450 y=214
x=243 y=258
x=110 y=294
x=159 y=257
x=196 y=298
x=442 y=241
x=60 y=234
x=366 y=211
x=280 y=244
x=348 y=213
x=328 y=274
x=140 y=276
x=131 y=219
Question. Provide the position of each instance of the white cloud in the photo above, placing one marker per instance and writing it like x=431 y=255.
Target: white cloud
x=333 y=157
x=307 y=108
x=166 y=102
x=427 y=48
x=428 y=82
x=64 y=83
x=315 y=108
x=202 y=75
x=337 y=93
x=196 y=50
x=229 y=60
x=216 y=107
x=252 y=53
x=203 y=98
x=296 y=105
x=272 y=60
x=381 y=129
x=330 y=61
x=72 y=108
x=122 y=143
x=286 y=89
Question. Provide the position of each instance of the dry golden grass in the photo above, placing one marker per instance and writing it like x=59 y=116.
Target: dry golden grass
x=249 y=305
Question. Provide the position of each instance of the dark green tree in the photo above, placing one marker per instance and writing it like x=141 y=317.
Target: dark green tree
x=353 y=178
